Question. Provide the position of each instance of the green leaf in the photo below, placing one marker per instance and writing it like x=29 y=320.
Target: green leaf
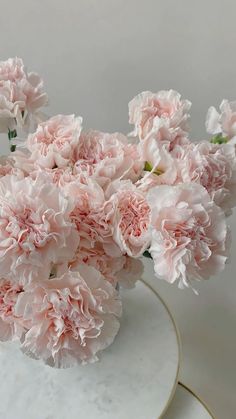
x=219 y=139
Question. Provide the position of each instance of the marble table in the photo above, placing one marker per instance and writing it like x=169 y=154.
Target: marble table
x=136 y=377
x=186 y=405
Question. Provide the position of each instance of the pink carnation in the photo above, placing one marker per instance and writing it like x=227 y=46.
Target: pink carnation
x=107 y=157
x=10 y=324
x=35 y=228
x=189 y=233
x=224 y=122
x=21 y=95
x=60 y=176
x=162 y=113
x=12 y=69
x=12 y=104
x=92 y=214
x=96 y=257
x=7 y=168
x=54 y=142
x=131 y=220
x=23 y=163
x=214 y=167
x=72 y=318
x=159 y=167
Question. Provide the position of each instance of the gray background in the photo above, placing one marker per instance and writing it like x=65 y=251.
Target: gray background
x=95 y=55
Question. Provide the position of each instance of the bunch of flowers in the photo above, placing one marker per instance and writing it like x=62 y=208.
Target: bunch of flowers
x=79 y=209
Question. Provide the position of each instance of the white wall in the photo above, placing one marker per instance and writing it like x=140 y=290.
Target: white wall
x=95 y=55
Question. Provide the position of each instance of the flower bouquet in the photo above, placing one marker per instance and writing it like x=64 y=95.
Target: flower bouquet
x=78 y=210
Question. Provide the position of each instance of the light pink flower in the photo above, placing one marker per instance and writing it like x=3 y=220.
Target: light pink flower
x=91 y=214
x=23 y=163
x=12 y=69
x=224 y=122
x=7 y=168
x=131 y=219
x=189 y=233
x=10 y=324
x=72 y=318
x=162 y=113
x=12 y=104
x=21 y=95
x=107 y=157
x=57 y=176
x=96 y=257
x=214 y=167
x=35 y=228
x=54 y=141
x=159 y=167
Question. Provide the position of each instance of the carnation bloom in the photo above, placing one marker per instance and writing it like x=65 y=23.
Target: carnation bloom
x=224 y=122
x=12 y=69
x=12 y=104
x=131 y=219
x=54 y=141
x=21 y=95
x=214 y=167
x=7 y=167
x=92 y=215
x=163 y=113
x=96 y=257
x=189 y=233
x=60 y=176
x=159 y=168
x=35 y=228
x=72 y=318
x=107 y=157
x=10 y=324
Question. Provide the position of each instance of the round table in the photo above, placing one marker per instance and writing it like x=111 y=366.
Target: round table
x=135 y=377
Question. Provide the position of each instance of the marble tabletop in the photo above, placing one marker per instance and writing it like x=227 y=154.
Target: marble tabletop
x=136 y=376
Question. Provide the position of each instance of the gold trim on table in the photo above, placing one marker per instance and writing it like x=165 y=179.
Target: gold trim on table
x=198 y=398
x=178 y=342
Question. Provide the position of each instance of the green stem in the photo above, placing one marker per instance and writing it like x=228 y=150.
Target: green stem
x=12 y=134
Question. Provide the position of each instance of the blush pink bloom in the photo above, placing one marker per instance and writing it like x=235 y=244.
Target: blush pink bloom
x=54 y=141
x=163 y=113
x=58 y=176
x=10 y=324
x=12 y=69
x=12 y=104
x=96 y=257
x=7 y=167
x=107 y=157
x=21 y=95
x=35 y=228
x=223 y=122
x=189 y=233
x=92 y=214
x=214 y=167
x=131 y=219
x=159 y=167
x=23 y=163
x=72 y=318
